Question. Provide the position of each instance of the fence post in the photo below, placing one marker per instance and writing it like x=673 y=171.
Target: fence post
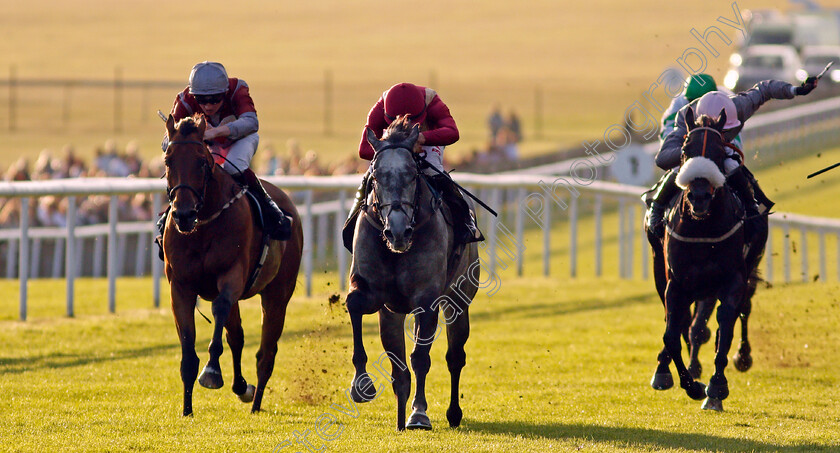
x=12 y=98
x=307 y=245
x=112 y=254
x=598 y=233
x=23 y=265
x=157 y=265
x=118 y=92
x=70 y=255
x=328 y=102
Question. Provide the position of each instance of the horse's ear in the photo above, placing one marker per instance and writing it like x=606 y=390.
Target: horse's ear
x=170 y=126
x=413 y=135
x=721 y=120
x=371 y=138
x=690 y=118
x=201 y=125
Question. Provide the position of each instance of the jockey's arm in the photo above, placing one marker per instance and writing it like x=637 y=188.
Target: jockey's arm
x=670 y=152
x=747 y=102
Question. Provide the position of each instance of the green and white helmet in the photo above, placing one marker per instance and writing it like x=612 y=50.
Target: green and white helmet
x=699 y=84
x=207 y=78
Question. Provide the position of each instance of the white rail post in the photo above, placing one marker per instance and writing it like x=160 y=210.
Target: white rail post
x=23 y=265
x=70 y=255
x=340 y=252
x=598 y=208
x=804 y=247
x=307 y=242
x=643 y=242
x=112 y=255
x=622 y=273
x=546 y=234
x=519 y=224
x=573 y=239
x=823 y=273
x=768 y=254
x=786 y=251
x=631 y=237
x=157 y=264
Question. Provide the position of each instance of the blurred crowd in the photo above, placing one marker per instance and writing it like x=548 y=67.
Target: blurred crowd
x=111 y=161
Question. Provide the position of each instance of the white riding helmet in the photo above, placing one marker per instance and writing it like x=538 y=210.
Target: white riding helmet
x=713 y=102
x=208 y=78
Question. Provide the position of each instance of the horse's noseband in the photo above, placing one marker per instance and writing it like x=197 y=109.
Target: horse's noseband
x=205 y=168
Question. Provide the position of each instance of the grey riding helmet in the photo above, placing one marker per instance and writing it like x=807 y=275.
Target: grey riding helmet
x=207 y=78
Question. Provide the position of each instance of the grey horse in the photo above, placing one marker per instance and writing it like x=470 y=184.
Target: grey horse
x=406 y=262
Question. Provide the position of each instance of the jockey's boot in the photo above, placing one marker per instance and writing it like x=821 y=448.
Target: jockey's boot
x=656 y=213
x=463 y=219
x=350 y=223
x=161 y=224
x=764 y=203
x=277 y=224
x=740 y=184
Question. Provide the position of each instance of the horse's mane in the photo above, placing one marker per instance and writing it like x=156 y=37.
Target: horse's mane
x=399 y=129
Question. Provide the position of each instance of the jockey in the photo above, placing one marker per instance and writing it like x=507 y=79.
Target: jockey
x=437 y=130
x=695 y=87
x=738 y=108
x=227 y=107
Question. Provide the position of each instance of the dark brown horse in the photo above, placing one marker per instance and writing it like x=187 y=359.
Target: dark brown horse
x=406 y=262
x=703 y=258
x=212 y=248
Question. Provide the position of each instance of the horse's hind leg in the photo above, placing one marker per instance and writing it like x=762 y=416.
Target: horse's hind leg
x=743 y=358
x=457 y=333
x=393 y=340
x=183 y=308
x=211 y=375
x=274 y=318
x=236 y=340
x=699 y=334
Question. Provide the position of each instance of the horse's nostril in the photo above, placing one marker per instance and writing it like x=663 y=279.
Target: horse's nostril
x=408 y=232
x=388 y=234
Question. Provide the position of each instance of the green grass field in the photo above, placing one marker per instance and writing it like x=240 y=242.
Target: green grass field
x=553 y=364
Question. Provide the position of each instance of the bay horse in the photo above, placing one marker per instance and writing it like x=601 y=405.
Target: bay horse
x=704 y=258
x=406 y=262
x=213 y=249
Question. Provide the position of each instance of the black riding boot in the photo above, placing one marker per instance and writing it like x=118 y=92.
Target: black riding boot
x=764 y=203
x=463 y=219
x=161 y=224
x=656 y=214
x=277 y=224
x=740 y=184
x=350 y=223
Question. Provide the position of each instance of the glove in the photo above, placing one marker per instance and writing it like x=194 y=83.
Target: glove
x=807 y=86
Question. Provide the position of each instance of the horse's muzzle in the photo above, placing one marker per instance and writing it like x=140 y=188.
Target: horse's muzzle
x=185 y=220
x=398 y=231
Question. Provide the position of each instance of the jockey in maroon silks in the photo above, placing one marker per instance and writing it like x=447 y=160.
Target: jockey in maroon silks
x=226 y=104
x=437 y=130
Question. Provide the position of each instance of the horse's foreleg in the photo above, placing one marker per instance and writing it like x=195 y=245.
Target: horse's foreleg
x=662 y=377
x=211 y=375
x=183 y=308
x=362 y=389
x=457 y=333
x=393 y=341
x=743 y=358
x=236 y=340
x=699 y=334
x=274 y=318
x=726 y=316
x=425 y=332
x=678 y=313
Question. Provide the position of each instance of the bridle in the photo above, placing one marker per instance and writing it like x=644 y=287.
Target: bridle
x=705 y=130
x=170 y=192
x=380 y=207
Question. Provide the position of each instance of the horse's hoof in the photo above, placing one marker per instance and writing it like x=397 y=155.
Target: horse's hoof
x=248 y=396
x=695 y=370
x=662 y=381
x=454 y=416
x=718 y=388
x=712 y=404
x=696 y=390
x=211 y=379
x=419 y=420
x=360 y=387
x=742 y=362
